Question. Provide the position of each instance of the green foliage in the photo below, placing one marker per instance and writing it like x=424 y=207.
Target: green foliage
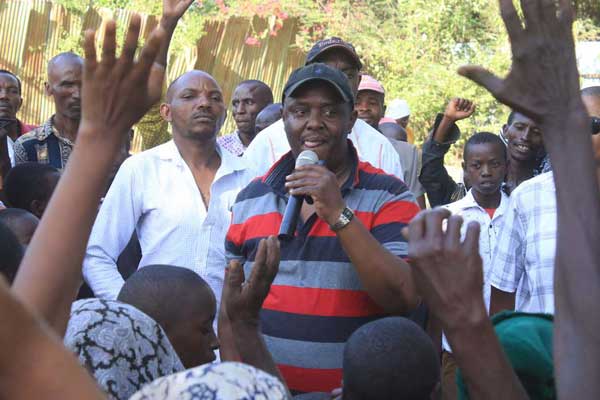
x=413 y=47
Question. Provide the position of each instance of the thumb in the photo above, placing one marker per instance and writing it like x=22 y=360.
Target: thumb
x=235 y=275
x=482 y=77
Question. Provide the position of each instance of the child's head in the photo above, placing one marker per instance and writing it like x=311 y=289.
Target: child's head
x=484 y=162
x=390 y=358
x=29 y=186
x=183 y=305
x=21 y=222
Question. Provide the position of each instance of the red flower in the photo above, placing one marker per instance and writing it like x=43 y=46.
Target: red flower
x=252 y=41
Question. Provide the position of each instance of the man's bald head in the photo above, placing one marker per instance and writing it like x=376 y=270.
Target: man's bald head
x=194 y=106
x=268 y=116
x=181 y=81
x=64 y=84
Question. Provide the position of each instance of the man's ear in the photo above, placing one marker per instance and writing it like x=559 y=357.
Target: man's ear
x=353 y=117
x=37 y=207
x=20 y=104
x=462 y=164
x=48 y=89
x=165 y=111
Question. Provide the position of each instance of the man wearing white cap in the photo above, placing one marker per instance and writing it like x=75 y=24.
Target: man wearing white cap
x=399 y=110
x=271 y=144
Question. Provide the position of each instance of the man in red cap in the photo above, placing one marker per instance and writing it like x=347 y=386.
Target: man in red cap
x=370 y=106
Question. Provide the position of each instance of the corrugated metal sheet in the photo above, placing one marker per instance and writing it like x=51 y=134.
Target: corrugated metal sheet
x=31 y=33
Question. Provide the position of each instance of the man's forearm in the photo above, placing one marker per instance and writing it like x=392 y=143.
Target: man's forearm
x=482 y=362
x=577 y=265
x=385 y=276
x=49 y=284
x=252 y=348
x=443 y=130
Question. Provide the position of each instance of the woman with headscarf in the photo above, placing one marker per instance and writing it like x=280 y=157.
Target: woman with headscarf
x=123 y=348
x=219 y=381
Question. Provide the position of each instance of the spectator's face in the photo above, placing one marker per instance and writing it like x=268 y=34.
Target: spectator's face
x=248 y=100
x=485 y=167
x=38 y=206
x=369 y=105
x=10 y=96
x=403 y=122
x=339 y=59
x=317 y=119
x=64 y=85
x=194 y=338
x=196 y=109
x=524 y=138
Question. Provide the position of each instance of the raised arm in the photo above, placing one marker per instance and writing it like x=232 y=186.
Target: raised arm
x=543 y=84
x=434 y=177
x=241 y=303
x=33 y=362
x=449 y=276
x=172 y=12
x=116 y=93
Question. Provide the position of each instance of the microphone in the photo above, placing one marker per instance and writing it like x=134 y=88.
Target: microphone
x=292 y=210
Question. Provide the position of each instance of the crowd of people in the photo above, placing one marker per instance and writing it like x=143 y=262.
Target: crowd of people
x=161 y=275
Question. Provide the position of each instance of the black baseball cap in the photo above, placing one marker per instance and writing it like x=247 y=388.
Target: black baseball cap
x=331 y=43
x=319 y=72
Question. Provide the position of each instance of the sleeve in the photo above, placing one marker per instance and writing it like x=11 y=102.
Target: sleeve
x=395 y=214
x=412 y=176
x=434 y=177
x=390 y=161
x=508 y=259
x=114 y=225
x=265 y=149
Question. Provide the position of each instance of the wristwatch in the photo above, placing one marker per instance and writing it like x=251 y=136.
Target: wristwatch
x=343 y=220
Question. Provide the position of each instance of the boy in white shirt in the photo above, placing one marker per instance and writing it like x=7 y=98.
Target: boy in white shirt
x=484 y=166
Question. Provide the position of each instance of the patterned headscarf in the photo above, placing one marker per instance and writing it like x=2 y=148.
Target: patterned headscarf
x=219 y=381
x=122 y=347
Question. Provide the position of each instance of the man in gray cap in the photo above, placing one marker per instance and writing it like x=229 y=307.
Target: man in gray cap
x=270 y=144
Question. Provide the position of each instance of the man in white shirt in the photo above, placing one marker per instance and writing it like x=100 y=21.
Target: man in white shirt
x=484 y=166
x=272 y=143
x=176 y=196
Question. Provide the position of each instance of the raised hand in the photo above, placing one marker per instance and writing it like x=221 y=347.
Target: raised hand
x=117 y=92
x=543 y=82
x=244 y=299
x=458 y=109
x=447 y=273
x=174 y=9
x=321 y=184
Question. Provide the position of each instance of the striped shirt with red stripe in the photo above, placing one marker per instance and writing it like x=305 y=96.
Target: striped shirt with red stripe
x=317 y=300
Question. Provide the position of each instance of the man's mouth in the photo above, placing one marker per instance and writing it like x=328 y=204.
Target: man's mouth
x=312 y=143
x=523 y=148
x=203 y=118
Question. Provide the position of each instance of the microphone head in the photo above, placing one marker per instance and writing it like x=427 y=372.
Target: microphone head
x=307 y=157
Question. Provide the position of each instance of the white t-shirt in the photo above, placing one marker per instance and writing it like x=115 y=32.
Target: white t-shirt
x=271 y=144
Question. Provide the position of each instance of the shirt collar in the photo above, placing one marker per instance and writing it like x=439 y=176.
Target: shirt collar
x=469 y=202
x=229 y=162
x=285 y=165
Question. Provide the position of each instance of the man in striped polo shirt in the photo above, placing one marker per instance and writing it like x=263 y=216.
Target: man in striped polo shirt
x=344 y=266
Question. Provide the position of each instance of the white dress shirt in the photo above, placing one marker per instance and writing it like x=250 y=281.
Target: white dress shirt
x=155 y=193
x=526 y=249
x=271 y=143
x=470 y=211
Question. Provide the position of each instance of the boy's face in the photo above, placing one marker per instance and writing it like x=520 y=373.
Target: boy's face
x=485 y=167
x=193 y=337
